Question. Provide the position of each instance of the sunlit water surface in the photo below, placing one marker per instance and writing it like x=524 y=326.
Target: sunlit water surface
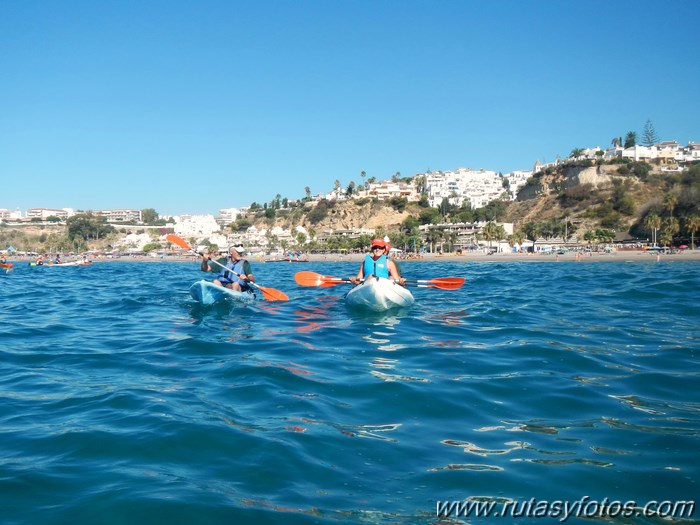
x=124 y=401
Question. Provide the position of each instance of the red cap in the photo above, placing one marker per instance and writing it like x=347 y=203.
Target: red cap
x=378 y=242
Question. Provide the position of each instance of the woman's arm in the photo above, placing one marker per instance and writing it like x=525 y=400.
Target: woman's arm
x=360 y=275
x=394 y=273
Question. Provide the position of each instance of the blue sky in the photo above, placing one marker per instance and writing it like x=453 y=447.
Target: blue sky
x=193 y=106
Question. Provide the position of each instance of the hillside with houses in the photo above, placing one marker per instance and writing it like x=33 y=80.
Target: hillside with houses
x=621 y=194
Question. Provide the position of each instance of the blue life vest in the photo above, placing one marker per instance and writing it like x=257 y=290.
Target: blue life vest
x=377 y=268
x=226 y=277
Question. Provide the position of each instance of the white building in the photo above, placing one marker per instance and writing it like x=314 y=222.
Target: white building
x=692 y=151
x=9 y=215
x=120 y=215
x=227 y=216
x=387 y=189
x=668 y=151
x=478 y=188
x=516 y=180
x=45 y=213
x=196 y=225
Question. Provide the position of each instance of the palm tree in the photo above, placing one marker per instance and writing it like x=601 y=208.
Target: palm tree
x=433 y=237
x=670 y=201
x=576 y=153
x=517 y=237
x=451 y=239
x=692 y=224
x=491 y=232
x=652 y=223
x=670 y=227
x=532 y=230
x=666 y=238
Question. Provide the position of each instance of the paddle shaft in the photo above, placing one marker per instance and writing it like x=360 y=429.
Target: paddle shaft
x=306 y=278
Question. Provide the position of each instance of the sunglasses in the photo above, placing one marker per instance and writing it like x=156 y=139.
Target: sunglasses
x=378 y=248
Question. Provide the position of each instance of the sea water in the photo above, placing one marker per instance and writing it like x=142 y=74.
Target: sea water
x=124 y=401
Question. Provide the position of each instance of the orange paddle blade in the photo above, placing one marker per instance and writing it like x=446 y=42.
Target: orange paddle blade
x=182 y=243
x=454 y=281
x=316 y=279
x=441 y=283
x=272 y=294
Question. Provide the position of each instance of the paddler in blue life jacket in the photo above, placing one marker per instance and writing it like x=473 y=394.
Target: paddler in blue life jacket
x=378 y=264
x=234 y=262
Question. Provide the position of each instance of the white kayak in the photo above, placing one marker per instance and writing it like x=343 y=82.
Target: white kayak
x=69 y=263
x=209 y=293
x=379 y=294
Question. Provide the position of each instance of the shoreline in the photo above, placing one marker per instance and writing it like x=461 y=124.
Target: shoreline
x=619 y=256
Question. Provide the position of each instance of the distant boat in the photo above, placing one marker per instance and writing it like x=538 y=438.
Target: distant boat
x=288 y=260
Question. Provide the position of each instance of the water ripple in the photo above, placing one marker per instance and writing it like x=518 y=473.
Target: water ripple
x=123 y=398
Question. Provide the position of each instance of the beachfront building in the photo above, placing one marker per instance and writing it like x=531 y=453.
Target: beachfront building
x=348 y=233
x=463 y=236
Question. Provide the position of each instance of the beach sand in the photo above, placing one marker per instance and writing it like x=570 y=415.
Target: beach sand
x=619 y=256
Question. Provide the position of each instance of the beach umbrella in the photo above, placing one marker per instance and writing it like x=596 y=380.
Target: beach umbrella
x=11 y=249
x=683 y=246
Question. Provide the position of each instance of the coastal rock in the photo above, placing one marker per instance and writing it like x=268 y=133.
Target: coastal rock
x=596 y=176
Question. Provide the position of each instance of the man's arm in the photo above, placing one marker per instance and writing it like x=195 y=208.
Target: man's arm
x=248 y=272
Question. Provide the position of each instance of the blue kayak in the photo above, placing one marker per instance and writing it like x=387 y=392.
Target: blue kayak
x=209 y=293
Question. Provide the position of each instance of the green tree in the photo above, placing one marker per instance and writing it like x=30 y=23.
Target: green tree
x=670 y=227
x=433 y=236
x=398 y=203
x=87 y=226
x=319 y=212
x=652 y=223
x=589 y=236
x=532 y=230
x=692 y=224
x=518 y=237
x=670 y=201
x=605 y=234
x=149 y=215
x=420 y=183
x=630 y=139
x=492 y=232
x=649 y=136
x=576 y=153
